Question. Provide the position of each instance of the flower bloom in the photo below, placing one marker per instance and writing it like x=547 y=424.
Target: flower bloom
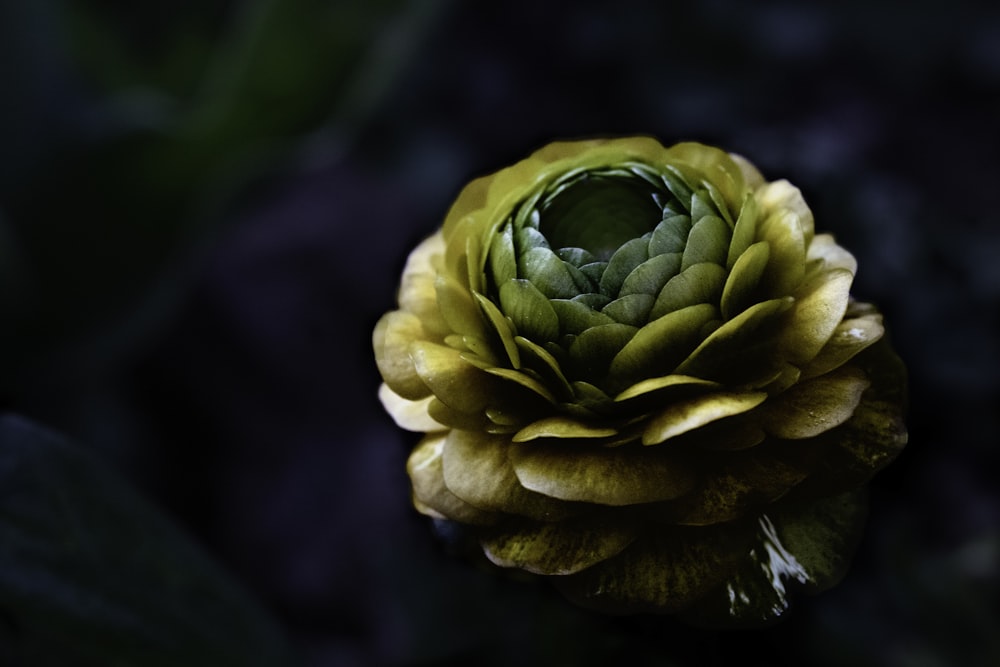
x=640 y=372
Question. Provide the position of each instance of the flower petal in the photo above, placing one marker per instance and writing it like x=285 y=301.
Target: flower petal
x=691 y=414
x=744 y=279
x=698 y=283
x=562 y=427
x=664 y=571
x=532 y=314
x=394 y=333
x=849 y=338
x=815 y=406
x=451 y=378
x=477 y=470
x=707 y=242
x=409 y=415
x=427 y=476
x=656 y=348
x=607 y=476
x=561 y=547
x=819 y=307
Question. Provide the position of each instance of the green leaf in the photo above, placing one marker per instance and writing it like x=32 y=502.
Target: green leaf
x=91 y=573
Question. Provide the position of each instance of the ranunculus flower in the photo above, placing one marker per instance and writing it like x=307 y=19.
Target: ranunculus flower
x=640 y=373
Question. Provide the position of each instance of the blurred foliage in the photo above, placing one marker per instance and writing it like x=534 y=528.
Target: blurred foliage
x=145 y=123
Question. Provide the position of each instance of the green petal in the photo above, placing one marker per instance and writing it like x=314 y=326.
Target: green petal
x=657 y=347
x=458 y=308
x=806 y=546
x=699 y=283
x=622 y=263
x=744 y=279
x=663 y=572
x=502 y=327
x=576 y=317
x=576 y=256
x=744 y=232
x=694 y=413
x=670 y=236
x=477 y=470
x=632 y=310
x=562 y=427
x=708 y=242
x=815 y=406
x=739 y=347
x=823 y=247
x=592 y=351
x=849 y=338
x=394 y=333
x=525 y=380
x=657 y=384
x=558 y=548
x=751 y=478
x=549 y=274
x=650 y=276
x=452 y=379
x=502 y=258
x=530 y=311
x=818 y=309
x=545 y=364
x=427 y=476
x=783 y=232
x=607 y=476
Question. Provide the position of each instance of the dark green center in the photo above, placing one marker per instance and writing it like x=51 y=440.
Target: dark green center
x=599 y=213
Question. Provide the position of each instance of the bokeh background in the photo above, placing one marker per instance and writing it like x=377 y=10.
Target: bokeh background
x=205 y=206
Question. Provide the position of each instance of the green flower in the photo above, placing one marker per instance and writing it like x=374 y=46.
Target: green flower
x=639 y=372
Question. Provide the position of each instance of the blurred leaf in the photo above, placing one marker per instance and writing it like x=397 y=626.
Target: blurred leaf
x=93 y=574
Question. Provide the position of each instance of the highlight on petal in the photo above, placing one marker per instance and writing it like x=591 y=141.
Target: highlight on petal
x=818 y=309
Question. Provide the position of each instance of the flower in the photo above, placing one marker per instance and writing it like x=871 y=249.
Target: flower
x=639 y=372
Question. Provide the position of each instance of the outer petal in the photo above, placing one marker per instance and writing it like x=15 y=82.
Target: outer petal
x=667 y=570
x=819 y=307
x=394 y=333
x=476 y=469
x=815 y=406
x=429 y=491
x=623 y=475
x=561 y=547
x=409 y=415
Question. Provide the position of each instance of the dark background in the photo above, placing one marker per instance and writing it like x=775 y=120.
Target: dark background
x=205 y=206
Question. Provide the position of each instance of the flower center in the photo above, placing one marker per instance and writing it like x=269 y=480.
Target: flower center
x=599 y=212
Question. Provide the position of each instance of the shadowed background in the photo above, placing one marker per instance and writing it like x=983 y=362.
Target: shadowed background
x=205 y=206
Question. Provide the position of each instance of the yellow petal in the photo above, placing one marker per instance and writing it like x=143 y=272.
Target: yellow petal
x=477 y=470
x=617 y=476
x=394 y=333
x=818 y=309
x=429 y=490
x=696 y=412
x=561 y=547
x=815 y=406
x=409 y=415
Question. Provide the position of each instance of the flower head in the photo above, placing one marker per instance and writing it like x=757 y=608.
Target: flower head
x=640 y=372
